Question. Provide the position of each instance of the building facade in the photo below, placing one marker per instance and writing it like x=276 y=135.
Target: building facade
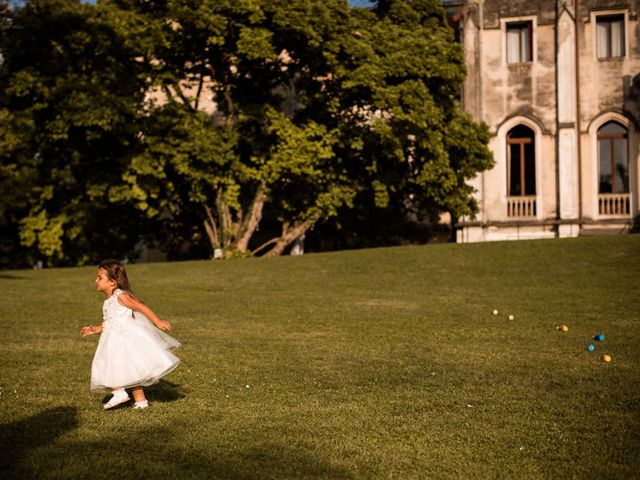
x=558 y=83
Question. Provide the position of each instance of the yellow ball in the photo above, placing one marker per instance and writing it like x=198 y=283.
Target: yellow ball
x=495 y=312
x=511 y=317
x=563 y=328
x=605 y=358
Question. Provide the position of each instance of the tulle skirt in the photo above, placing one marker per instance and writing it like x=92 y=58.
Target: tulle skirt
x=132 y=353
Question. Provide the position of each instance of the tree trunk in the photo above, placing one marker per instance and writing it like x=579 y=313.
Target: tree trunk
x=224 y=220
x=289 y=234
x=231 y=230
x=210 y=228
x=453 y=236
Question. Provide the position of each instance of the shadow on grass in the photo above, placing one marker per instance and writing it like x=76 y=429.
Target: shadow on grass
x=157 y=453
x=8 y=276
x=271 y=460
x=164 y=392
x=17 y=438
x=160 y=392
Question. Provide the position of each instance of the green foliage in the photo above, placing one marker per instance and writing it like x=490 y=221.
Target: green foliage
x=405 y=70
x=18 y=179
x=190 y=120
x=299 y=170
x=69 y=87
x=327 y=105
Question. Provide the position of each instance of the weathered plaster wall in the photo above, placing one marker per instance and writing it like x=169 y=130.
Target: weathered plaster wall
x=612 y=83
x=545 y=94
x=494 y=10
x=609 y=90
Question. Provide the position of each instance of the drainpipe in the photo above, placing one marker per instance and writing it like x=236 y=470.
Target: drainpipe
x=578 y=113
x=480 y=54
x=557 y=112
x=481 y=106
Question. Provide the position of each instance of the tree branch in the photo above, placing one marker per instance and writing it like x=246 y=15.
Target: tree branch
x=167 y=92
x=200 y=83
x=289 y=234
x=182 y=96
x=265 y=245
x=221 y=216
x=210 y=228
x=251 y=222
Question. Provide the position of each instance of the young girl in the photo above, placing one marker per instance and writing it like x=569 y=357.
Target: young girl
x=131 y=353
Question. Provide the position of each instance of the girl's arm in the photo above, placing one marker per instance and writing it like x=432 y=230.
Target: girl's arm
x=133 y=303
x=90 y=330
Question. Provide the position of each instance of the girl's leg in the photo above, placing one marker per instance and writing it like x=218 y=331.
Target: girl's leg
x=138 y=394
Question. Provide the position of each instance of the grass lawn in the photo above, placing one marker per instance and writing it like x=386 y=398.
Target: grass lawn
x=384 y=363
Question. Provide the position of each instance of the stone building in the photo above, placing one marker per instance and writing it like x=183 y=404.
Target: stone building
x=558 y=83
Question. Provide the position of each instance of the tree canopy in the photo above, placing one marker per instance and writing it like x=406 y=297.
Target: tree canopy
x=189 y=121
x=69 y=97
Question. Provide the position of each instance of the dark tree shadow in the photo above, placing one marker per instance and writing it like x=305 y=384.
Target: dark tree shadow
x=268 y=461
x=153 y=454
x=17 y=438
x=8 y=276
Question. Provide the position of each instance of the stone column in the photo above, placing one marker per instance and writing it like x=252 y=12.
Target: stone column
x=567 y=134
x=472 y=102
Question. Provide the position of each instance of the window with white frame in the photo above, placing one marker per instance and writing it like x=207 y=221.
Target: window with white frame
x=519 y=42
x=610 y=36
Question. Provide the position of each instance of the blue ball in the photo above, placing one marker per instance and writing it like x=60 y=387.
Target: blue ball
x=591 y=348
x=599 y=337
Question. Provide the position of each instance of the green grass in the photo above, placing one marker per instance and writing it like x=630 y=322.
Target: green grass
x=382 y=363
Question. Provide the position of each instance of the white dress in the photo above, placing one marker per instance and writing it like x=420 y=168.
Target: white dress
x=131 y=350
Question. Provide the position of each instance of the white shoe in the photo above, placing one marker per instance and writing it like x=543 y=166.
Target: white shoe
x=119 y=396
x=140 y=405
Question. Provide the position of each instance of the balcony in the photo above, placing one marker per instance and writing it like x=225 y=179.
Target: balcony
x=521 y=207
x=613 y=204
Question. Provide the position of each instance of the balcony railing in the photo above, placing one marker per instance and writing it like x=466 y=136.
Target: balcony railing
x=524 y=206
x=615 y=204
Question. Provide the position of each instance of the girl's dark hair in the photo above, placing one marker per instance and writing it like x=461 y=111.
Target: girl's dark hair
x=116 y=272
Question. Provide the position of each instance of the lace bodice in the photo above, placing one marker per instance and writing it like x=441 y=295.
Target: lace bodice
x=114 y=314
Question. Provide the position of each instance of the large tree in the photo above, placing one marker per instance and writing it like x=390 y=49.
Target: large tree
x=315 y=105
x=219 y=170
x=191 y=120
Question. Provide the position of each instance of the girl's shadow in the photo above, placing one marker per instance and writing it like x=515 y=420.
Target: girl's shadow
x=163 y=391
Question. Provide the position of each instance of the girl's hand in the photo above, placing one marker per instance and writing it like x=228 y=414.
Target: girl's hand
x=163 y=325
x=90 y=330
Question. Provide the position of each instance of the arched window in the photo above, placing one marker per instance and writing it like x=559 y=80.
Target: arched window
x=521 y=163
x=613 y=158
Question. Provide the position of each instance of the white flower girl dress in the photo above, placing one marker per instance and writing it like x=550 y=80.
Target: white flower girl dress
x=131 y=351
